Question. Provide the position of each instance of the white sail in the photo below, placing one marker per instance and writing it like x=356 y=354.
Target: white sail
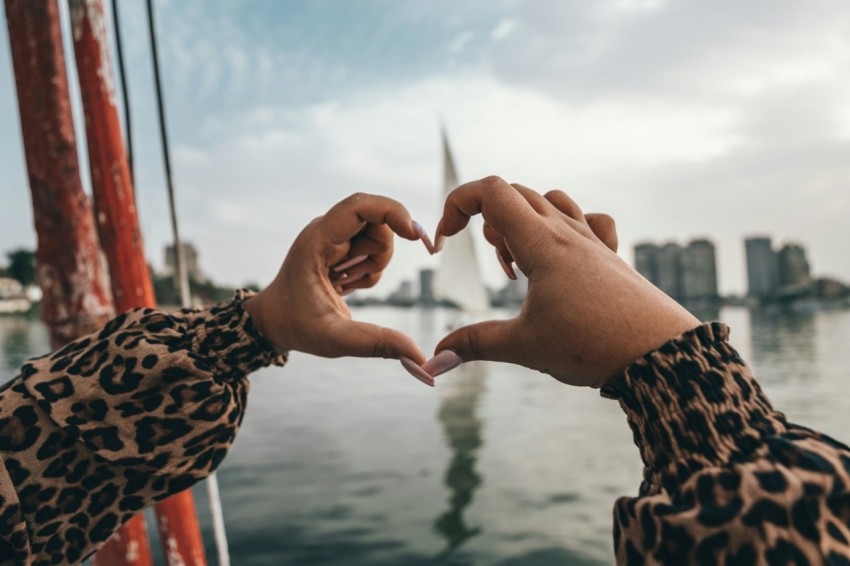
x=458 y=278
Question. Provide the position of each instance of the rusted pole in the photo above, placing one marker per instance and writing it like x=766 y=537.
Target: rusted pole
x=121 y=239
x=70 y=269
x=72 y=274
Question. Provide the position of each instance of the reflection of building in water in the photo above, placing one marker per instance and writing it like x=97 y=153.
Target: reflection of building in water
x=783 y=342
x=462 y=429
x=17 y=345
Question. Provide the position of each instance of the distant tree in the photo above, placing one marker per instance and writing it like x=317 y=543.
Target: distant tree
x=22 y=266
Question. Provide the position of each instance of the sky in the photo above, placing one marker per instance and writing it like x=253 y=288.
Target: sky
x=682 y=119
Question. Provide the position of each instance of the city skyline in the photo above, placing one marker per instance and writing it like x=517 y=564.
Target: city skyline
x=276 y=113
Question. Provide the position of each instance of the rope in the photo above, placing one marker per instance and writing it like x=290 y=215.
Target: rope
x=125 y=94
x=183 y=282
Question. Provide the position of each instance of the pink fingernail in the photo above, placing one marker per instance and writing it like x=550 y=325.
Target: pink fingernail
x=352 y=278
x=353 y=261
x=416 y=371
x=423 y=235
x=439 y=241
x=509 y=270
x=441 y=363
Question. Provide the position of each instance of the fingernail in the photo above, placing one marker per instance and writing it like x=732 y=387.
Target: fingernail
x=416 y=371
x=439 y=241
x=441 y=363
x=423 y=235
x=347 y=292
x=349 y=279
x=507 y=267
x=353 y=261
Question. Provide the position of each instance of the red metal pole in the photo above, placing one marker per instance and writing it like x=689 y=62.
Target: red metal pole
x=121 y=239
x=71 y=272
x=77 y=299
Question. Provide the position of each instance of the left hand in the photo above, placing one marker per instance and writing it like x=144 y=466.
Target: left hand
x=346 y=249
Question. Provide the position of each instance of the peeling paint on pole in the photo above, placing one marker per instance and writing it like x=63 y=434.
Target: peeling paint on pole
x=71 y=269
x=121 y=239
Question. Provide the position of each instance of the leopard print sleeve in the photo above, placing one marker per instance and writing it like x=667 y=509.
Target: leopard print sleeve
x=726 y=480
x=117 y=420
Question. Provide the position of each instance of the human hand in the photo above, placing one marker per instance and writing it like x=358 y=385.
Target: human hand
x=346 y=249
x=587 y=314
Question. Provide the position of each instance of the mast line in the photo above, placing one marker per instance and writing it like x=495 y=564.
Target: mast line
x=183 y=282
x=125 y=94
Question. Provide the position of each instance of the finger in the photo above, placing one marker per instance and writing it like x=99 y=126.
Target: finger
x=497 y=241
x=364 y=340
x=501 y=205
x=565 y=204
x=359 y=281
x=495 y=340
x=502 y=252
x=535 y=199
x=605 y=229
x=347 y=218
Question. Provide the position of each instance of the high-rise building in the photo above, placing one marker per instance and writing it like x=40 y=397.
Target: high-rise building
x=669 y=270
x=699 y=271
x=646 y=261
x=426 y=287
x=190 y=256
x=762 y=269
x=793 y=266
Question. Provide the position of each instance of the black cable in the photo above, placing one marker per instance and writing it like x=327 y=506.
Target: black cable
x=180 y=264
x=125 y=94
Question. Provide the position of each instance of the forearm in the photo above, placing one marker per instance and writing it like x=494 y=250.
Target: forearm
x=726 y=475
x=122 y=418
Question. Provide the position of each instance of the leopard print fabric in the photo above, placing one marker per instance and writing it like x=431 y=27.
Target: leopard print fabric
x=726 y=480
x=117 y=420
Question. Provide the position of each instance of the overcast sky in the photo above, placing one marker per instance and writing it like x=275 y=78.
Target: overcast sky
x=681 y=119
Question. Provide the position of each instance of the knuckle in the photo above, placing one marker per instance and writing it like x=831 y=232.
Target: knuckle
x=493 y=181
x=554 y=193
x=356 y=197
x=474 y=345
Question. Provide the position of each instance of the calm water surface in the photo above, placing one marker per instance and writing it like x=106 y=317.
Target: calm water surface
x=355 y=462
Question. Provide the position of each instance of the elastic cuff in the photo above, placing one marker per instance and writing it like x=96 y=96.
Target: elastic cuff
x=226 y=336
x=692 y=403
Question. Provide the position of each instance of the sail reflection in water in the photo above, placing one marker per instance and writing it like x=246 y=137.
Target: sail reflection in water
x=459 y=399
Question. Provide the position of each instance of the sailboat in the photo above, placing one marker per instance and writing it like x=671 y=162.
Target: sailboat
x=458 y=278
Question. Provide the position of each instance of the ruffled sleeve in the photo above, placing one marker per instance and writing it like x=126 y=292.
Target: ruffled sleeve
x=727 y=480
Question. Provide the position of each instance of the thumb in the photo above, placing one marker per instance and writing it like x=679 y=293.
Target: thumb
x=494 y=340
x=360 y=339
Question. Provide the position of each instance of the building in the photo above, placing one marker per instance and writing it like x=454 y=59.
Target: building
x=669 y=270
x=403 y=296
x=513 y=293
x=13 y=296
x=793 y=267
x=190 y=256
x=646 y=260
x=686 y=274
x=426 y=287
x=762 y=268
x=699 y=271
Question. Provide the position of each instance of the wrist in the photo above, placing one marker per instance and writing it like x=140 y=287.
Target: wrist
x=266 y=316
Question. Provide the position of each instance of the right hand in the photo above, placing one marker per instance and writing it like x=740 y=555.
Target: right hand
x=587 y=315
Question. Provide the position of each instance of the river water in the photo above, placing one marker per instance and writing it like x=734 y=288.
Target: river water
x=354 y=462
